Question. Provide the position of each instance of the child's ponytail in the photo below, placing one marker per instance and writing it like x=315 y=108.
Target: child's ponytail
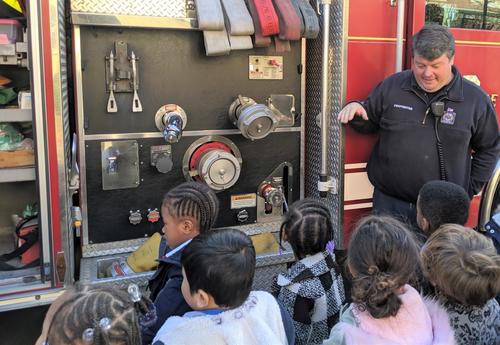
x=382 y=257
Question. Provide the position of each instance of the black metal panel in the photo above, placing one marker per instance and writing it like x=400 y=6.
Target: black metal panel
x=174 y=69
x=108 y=210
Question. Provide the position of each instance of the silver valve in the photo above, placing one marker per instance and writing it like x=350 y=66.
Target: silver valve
x=254 y=120
x=272 y=195
x=171 y=119
x=173 y=127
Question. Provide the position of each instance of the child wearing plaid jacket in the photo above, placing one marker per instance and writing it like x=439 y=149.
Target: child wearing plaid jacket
x=312 y=289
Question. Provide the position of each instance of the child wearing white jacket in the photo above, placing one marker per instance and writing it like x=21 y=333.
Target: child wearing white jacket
x=218 y=269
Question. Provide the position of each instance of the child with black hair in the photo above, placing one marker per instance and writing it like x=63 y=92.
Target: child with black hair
x=218 y=269
x=312 y=289
x=441 y=202
x=464 y=267
x=187 y=210
x=100 y=315
x=382 y=257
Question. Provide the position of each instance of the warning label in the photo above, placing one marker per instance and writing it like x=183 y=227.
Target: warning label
x=265 y=67
x=243 y=200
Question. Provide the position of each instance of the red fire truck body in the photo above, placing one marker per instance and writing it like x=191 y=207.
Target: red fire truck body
x=68 y=168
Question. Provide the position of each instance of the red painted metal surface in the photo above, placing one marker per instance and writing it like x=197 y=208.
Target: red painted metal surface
x=371 y=58
x=351 y=217
x=375 y=18
x=51 y=135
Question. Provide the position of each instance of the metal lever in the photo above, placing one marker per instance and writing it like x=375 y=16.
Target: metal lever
x=74 y=179
x=112 y=107
x=112 y=164
x=136 y=103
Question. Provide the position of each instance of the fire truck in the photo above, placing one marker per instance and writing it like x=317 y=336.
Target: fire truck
x=125 y=104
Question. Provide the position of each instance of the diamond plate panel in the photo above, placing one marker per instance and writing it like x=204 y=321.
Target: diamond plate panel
x=313 y=108
x=266 y=268
x=152 y=8
x=109 y=248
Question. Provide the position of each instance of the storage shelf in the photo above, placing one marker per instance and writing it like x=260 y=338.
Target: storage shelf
x=17 y=174
x=15 y=115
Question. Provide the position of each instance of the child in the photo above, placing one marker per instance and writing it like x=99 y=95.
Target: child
x=382 y=257
x=465 y=269
x=441 y=202
x=187 y=210
x=312 y=289
x=218 y=269
x=98 y=316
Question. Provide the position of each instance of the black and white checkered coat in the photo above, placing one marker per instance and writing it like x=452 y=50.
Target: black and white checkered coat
x=312 y=291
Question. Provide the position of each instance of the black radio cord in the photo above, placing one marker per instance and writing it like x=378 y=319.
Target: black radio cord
x=439 y=145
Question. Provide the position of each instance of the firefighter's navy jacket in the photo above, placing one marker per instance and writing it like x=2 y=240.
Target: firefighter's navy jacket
x=405 y=155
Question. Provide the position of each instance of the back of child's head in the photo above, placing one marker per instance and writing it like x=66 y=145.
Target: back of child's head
x=308 y=227
x=195 y=200
x=441 y=202
x=382 y=257
x=221 y=263
x=100 y=315
x=462 y=264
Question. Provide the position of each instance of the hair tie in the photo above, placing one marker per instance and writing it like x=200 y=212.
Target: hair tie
x=330 y=246
x=134 y=293
x=88 y=335
x=373 y=270
x=146 y=312
x=104 y=325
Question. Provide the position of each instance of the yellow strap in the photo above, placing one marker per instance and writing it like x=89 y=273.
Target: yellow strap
x=14 y=4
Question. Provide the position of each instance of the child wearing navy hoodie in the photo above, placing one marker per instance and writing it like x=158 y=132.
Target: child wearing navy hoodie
x=187 y=210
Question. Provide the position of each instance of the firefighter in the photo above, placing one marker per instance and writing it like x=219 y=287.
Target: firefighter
x=433 y=125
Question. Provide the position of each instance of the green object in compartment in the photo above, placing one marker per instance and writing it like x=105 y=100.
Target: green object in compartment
x=10 y=137
x=7 y=95
x=30 y=210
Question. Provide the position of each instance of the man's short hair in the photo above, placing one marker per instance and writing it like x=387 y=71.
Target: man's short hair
x=432 y=41
x=221 y=263
x=462 y=264
x=442 y=202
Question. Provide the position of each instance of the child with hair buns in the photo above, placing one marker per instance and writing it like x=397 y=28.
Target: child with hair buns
x=312 y=289
x=464 y=268
x=89 y=315
x=382 y=257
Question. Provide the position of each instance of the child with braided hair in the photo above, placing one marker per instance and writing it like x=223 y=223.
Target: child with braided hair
x=464 y=267
x=86 y=315
x=382 y=257
x=312 y=289
x=187 y=210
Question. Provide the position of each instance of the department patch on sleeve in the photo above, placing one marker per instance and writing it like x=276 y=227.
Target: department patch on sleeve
x=448 y=117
